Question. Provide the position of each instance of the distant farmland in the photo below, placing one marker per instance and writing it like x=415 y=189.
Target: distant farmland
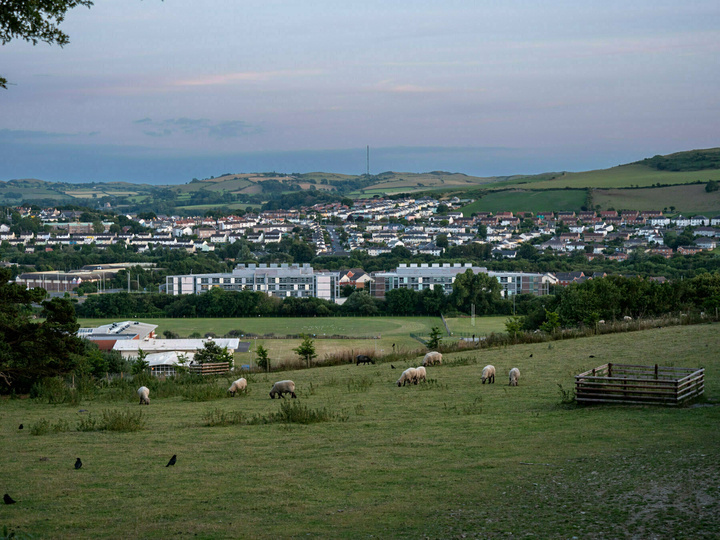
x=685 y=198
x=528 y=201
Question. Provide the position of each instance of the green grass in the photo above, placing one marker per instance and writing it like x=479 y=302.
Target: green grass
x=528 y=201
x=449 y=459
x=385 y=332
x=483 y=325
x=616 y=177
x=685 y=198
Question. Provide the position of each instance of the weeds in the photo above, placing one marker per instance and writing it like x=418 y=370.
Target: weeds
x=465 y=410
x=113 y=421
x=359 y=384
x=296 y=413
x=462 y=361
x=433 y=384
x=43 y=427
x=218 y=417
x=567 y=397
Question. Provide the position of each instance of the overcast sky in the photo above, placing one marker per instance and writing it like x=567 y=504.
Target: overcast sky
x=161 y=92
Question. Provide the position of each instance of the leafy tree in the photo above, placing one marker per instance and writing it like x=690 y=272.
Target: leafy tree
x=401 y=302
x=441 y=240
x=514 y=326
x=140 y=365
x=361 y=303
x=263 y=358
x=306 y=350
x=435 y=338
x=552 y=322
x=711 y=186
x=479 y=289
x=30 y=350
x=212 y=352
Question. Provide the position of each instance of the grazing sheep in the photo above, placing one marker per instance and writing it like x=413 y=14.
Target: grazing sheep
x=432 y=358
x=144 y=393
x=408 y=376
x=627 y=318
x=514 y=376
x=601 y=321
x=238 y=386
x=488 y=374
x=282 y=387
x=420 y=374
x=363 y=359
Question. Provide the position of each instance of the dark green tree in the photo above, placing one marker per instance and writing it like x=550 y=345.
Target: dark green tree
x=435 y=338
x=306 y=350
x=479 y=289
x=263 y=358
x=212 y=352
x=31 y=350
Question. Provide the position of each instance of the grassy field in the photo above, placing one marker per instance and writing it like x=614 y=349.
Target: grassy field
x=528 y=201
x=686 y=198
x=616 y=177
x=448 y=459
x=384 y=331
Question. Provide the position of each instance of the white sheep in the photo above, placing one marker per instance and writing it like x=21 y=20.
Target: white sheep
x=627 y=318
x=488 y=374
x=420 y=374
x=514 y=376
x=407 y=376
x=432 y=358
x=144 y=393
x=282 y=387
x=238 y=386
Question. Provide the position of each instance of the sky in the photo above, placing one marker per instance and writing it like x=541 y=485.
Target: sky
x=164 y=92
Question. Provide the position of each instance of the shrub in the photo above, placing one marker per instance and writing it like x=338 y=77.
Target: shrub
x=122 y=420
x=294 y=412
x=359 y=384
x=43 y=427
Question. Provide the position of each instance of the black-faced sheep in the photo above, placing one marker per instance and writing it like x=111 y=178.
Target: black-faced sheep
x=144 y=393
x=238 y=386
x=407 y=376
x=488 y=374
x=514 y=376
x=420 y=374
x=363 y=359
x=282 y=387
x=432 y=358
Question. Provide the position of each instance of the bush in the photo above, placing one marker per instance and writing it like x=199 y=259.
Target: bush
x=294 y=412
x=43 y=427
x=359 y=384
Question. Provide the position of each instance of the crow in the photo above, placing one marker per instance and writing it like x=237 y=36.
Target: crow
x=78 y=463
x=20 y=427
x=592 y=356
x=172 y=460
x=392 y=367
x=8 y=499
x=531 y=355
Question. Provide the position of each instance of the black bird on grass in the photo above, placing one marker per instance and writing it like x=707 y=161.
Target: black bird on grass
x=20 y=426
x=592 y=356
x=8 y=499
x=172 y=460
x=531 y=355
x=78 y=463
x=392 y=367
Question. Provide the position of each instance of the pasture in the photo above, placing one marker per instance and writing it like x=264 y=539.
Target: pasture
x=528 y=201
x=690 y=198
x=447 y=459
x=616 y=177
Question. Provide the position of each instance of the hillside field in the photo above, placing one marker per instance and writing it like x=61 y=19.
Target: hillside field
x=528 y=201
x=691 y=199
x=617 y=177
x=450 y=458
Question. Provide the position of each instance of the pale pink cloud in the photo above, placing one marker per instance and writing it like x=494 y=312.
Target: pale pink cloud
x=246 y=76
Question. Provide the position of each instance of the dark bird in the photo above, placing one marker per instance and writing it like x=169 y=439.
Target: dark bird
x=531 y=355
x=392 y=367
x=78 y=463
x=8 y=499
x=172 y=460
x=592 y=356
x=20 y=427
